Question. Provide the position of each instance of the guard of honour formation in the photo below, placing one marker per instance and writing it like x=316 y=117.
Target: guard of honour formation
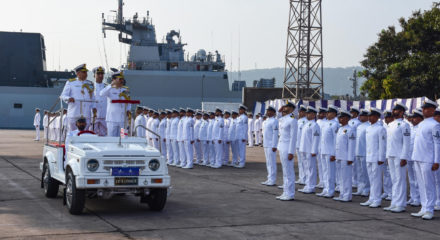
x=342 y=149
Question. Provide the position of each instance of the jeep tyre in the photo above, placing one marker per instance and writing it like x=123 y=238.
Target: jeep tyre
x=75 y=198
x=157 y=199
x=50 y=185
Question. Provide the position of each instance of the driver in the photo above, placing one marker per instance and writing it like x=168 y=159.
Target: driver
x=81 y=124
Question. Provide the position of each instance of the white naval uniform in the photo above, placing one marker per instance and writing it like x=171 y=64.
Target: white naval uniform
x=257 y=130
x=270 y=135
x=37 y=120
x=155 y=128
x=427 y=152
x=188 y=141
x=363 y=186
x=76 y=89
x=241 y=136
x=301 y=169
x=251 y=132
x=204 y=141
x=64 y=128
x=309 y=144
x=182 y=154
x=320 y=162
x=354 y=123
x=57 y=126
x=168 y=141
x=197 y=143
x=376 y=140
x=233 y=140
x=217 y=139
x=398 y=148
x=173 y=140
x=211 y=155
x=149 y=123
x=387 y=183
x=413 y=185
x=287 y=145
x=45 y=125
x=116 y=112
x=140 y=120
x=345 y=148
x=327 y=147
x=226 y=141
x=101 y=111
x=163 y=138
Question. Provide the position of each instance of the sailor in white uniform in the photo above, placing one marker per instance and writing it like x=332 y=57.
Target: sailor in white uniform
x=363 y=187
x=376 y=140
x=149 y=126
x=270 y=135
x=203 y=139
x=354 y=123
x=416 y=118
x=139 y=120
x=188 y=139
x=99 y=126
x=182 y=154
x=241 y=135
x=116 y=112
x=74 y=93
x=328 y=139
x=345 y=147
x=45 y=123
x=232 y=138
x=168 y=135
x=173 y=138
x=218 y=138
x=211 y=147
x=251 y=130
x=287 y=146
x=197 y=143
x=162 y=133
x=426 y=155
x=257 y=129
x=37 y=120
x=155 y=128
x=387 y=183
x=226 y=141
x=398 y=150
x=310 y=137
x=302 y=119
x=320 y=121
x=437 y=173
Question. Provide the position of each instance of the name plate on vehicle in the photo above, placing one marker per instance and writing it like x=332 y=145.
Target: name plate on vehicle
x=126 y=181
x=125 y=171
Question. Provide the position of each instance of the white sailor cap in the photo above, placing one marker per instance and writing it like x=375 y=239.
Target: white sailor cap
x=98 y=70
x=364 y=112
x=175 y=110
x=242 y=107
x=270 y=108
x=234 y=112
x=354 y=109
x=226 y=112
x=344 y=113
x=182 y=110
x=417 y=113
x=332 y=108
x=429 y=104
x=117 y=74
x=375 y=111
x=37 y=109
x=290 y=104
x=81 y=68
x=322 y=109
x=311 y=109
x=302 y=108
x=387 y=113
x=217 y=109
x=400 y=106
x=190 y=110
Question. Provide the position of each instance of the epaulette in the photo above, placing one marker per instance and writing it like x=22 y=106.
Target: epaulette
x=293 y=117
x=72 y=79
x=125 y=87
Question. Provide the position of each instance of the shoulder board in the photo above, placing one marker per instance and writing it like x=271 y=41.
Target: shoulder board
x=292 y=116
x=125 y=87
x=72 y=79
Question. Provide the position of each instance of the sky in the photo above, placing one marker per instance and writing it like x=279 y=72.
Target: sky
x=254 y=31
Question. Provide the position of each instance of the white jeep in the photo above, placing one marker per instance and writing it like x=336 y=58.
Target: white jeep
x=95 y=166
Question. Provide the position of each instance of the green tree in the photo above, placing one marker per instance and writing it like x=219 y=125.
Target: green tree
x=405 y=64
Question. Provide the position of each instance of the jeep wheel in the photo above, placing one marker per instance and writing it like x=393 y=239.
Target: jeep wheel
x=75 y=199
x=50 y=185
x=156 y=200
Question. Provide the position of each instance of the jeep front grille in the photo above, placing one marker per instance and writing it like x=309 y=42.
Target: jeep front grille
x=108 y=164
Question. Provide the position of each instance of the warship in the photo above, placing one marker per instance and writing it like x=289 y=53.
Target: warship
x=160 y=75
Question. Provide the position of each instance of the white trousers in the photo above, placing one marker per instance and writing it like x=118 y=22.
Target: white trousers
x=205 y=151
x=241 y=153
x=37 y=132
x=101 y=127
x=212 y=153
x=375 y=176
x=271 y=165
x=114 y=129
x=234 y=150
x=170 y=153
x=329 y=174
x=176 y=151
x=301 y=170
x=45 y=129
x=218 y=153
x=251 y=138
x=198 y=151
x=189 y=151
x=413 y=185
x=338 y=174
x=226 y=147
x=163 y=147
x=398 y=179
x=425 y=179
x=346 y=181
x=363 y=183
x=320 y=168
x=437 y=187
x=310 y=171
x=257 y=137
x=355 y=174
x=288 y=172
x=387 y=183
x=182 y=154
x=156 y=143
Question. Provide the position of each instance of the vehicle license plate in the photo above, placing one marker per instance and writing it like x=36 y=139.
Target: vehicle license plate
x=126 y=181
x=125 y=171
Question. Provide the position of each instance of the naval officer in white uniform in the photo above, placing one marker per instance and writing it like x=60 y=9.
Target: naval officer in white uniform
x=139 y=120
x=173 y=138
x=218 y=138
x=302 y=119
x=242 y=134
x=75 y=91
x=426 y=156
x=270 y=144
x=188 y=139
x=363 y=187
x=37 y=120
x=99 y=126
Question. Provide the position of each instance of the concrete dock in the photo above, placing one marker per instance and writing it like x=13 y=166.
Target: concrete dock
x=206 y=203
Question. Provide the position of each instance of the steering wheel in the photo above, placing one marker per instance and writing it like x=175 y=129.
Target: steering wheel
x=86 y=131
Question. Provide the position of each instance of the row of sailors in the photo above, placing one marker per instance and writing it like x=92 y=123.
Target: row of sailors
x=187 y=137
x=344 y=147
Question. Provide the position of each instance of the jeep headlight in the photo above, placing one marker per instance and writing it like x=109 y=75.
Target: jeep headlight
x=154 y=164
x=92 y=165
